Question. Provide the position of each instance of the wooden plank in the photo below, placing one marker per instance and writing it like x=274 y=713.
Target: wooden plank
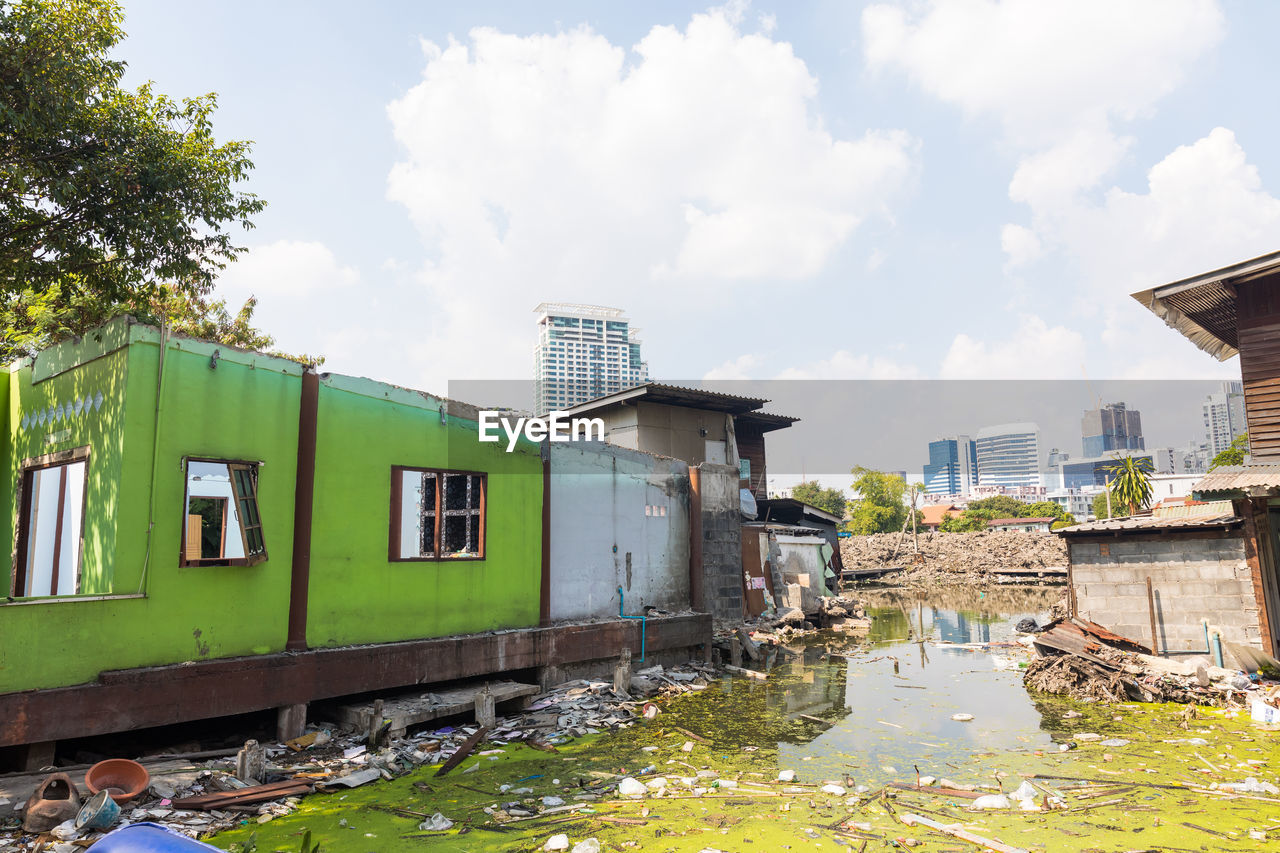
x=468 y=746
x=409 y=710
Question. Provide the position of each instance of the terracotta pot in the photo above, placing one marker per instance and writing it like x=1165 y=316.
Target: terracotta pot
x=124 y=779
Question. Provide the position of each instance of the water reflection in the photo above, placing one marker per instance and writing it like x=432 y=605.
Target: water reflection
x=899 y=693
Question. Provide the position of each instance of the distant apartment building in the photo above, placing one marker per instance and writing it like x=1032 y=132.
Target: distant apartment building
x=953 y=466
x=583 y=352
x=1110 y=428
x=1224 y=417
x=1008 y=455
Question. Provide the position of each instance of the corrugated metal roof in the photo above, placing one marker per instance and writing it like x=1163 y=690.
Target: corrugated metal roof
x=674 y=395
x=1192 y=509
x=1203 y=307
x=1048 y=519
x=1149 y=522
x=1239 y=478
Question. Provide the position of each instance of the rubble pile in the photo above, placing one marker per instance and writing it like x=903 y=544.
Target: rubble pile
x=1083 y=660
x=967 y=556
x=198 y=800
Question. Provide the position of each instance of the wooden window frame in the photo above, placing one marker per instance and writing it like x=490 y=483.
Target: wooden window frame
x=232 y=465
x=18 y=579
x=394 y=532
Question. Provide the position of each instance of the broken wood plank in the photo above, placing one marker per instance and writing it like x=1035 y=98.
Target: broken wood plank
x=244 y=796
x=956 y=831
x=749 y=645
x=751 y=673
x=468 y=746
x=937 y=791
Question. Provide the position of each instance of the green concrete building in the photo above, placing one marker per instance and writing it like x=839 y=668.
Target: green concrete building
x=197 y=530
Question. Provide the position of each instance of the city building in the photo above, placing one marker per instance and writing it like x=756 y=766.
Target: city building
x=1078 y=502
x=1096 y=470
x=1110 y=428
x=583 y=352
x=1224 y=419
x=953 y=466
x=1008 y=455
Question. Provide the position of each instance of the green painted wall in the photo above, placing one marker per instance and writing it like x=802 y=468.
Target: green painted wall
x=187 y=613
x=246 y=408
x=357 y=594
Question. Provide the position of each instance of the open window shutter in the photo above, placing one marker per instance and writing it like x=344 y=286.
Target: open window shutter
x=244 y=483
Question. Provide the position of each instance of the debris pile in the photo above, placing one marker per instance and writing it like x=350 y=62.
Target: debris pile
x=1086 y=661
x=266 y=781
x=962 y=557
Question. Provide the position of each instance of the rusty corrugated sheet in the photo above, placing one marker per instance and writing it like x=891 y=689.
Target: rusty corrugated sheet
x=1150 y=523
x=1238 y=478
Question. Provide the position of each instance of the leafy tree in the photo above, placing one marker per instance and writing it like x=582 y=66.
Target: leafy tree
x=31 y=320
x=879 y=507
x=1001 y=506
x=1233 y=455
x=1044 y=509
x=1131 y=486
x=812 y=493
x=1067 y=520
x=1100 y=506
x=969 y=521
x=102 y=189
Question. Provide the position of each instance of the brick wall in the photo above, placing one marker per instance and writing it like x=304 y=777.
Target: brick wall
x=721 y=540
x=1192 y=579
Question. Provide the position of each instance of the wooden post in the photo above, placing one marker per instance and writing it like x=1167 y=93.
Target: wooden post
x=486 y=716
x=735 y=651
x=374 y=724
x=622 y=673
x=1107 y=484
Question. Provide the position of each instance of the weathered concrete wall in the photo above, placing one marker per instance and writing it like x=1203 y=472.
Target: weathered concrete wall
x=721 y=540
x=619 y=518
x=1192 y=579
x=802 y=567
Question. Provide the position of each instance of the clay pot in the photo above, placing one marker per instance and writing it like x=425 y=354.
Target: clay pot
x=55 y=800
x=123 y=778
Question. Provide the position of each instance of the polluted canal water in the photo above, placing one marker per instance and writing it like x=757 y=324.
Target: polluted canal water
x=887 y=739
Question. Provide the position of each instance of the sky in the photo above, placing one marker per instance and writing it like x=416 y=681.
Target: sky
x=827 y=190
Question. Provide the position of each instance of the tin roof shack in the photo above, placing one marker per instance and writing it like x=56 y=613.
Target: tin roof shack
x=800 y=514
x=1225 y=312
x=200 y=531
x=721 y=437
x=691 y=424
x=1146 y=574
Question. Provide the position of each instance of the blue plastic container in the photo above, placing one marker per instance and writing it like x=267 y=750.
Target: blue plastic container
x=148 y=838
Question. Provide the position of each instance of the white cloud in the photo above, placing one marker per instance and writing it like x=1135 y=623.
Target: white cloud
x=742 y=367
x=842 y=364
x=846 y=365
x=298 y=284
x=1044 y=68
x=563 y=166
x=1020 y=244
x=1034 y=350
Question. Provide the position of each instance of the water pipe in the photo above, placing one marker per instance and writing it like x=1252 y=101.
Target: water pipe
x=1217 y=650
x=643 y=621
x=1208 y=647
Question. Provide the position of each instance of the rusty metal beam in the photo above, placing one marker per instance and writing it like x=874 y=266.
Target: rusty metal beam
x=123 y=700
x=303 y=505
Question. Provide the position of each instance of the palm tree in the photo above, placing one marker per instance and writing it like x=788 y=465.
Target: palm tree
x=1131 y=486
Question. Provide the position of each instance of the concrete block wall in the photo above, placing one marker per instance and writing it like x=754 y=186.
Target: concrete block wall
x=721 y=540
x=619 y=518
x=1192 y=579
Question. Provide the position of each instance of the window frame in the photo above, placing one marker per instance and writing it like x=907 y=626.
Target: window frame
x=18 y=579
x=394 y=531
x=248 y=560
